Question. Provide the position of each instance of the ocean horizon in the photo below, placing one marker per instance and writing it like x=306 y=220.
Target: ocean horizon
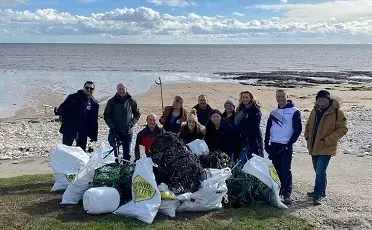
x=62 y=68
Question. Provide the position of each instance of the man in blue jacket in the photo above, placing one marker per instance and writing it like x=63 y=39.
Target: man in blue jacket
x=282 y=131
x=79 y=113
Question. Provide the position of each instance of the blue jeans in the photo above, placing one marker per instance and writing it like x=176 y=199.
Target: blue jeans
x=126 y=142
x=320 y=164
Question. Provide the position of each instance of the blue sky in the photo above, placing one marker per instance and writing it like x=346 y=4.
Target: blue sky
x=186 y=21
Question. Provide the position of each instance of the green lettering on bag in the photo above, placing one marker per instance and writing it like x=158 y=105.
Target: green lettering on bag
x=142 y=189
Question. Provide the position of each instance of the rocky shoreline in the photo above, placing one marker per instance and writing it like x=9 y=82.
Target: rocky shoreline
x=293 y=79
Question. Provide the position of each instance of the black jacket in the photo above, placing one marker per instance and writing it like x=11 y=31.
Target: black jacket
x=247 y=121
x=221 y=139
x=121 y=114
x=231 y=119
x=76 y=119
x=203 y=114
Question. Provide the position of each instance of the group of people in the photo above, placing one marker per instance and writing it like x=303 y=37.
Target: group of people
x=235 y=132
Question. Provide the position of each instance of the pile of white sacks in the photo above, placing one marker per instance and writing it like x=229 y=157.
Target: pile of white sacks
x=74 y=171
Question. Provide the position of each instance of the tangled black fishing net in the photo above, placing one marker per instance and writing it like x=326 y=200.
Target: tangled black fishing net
x=215 y=160
x=116 y=176
x=243 y=189
x=177 y=167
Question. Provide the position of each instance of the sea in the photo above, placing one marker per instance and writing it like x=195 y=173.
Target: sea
x=28 y=70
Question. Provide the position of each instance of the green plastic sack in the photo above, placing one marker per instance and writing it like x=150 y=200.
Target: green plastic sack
x=116 y=176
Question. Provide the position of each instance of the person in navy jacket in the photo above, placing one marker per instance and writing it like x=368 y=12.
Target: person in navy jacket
x=282 y=131
x=79 y=113
x=247 y=121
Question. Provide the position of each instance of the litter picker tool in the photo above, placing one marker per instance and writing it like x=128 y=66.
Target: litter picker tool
x=161 y=92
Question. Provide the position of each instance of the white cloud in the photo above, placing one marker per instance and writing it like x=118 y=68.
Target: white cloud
x=146 y=24
x=12 y=1
x=342 y=10
x=283 y=1
x=238 y=14
x=173 y=3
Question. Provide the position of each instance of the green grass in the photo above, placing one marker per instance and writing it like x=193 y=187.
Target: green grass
x=27 y=203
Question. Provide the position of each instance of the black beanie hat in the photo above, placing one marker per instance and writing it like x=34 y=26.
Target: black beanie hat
x=323 y=93
x=216 y=111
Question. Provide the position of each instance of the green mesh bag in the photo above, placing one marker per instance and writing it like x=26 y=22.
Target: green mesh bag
x=116 y=176
x=244 y=189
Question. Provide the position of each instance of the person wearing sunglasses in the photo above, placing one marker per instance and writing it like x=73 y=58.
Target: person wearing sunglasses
x=79 y=115
x=121 y=114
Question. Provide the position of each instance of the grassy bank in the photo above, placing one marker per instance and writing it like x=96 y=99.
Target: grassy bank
x=27 y=203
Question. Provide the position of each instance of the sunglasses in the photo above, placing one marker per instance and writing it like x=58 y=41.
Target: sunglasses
x=89 y=88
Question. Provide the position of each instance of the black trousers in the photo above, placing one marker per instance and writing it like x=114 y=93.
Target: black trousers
x=81 y=141
x=282 y=160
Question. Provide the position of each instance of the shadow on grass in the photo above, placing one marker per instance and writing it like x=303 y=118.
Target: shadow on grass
x=26 y=189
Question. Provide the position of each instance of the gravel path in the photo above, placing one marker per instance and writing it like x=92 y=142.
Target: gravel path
x=347 y=205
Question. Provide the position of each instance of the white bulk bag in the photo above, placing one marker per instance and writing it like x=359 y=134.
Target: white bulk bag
x=66 y=162
x=264 y=170
x=198 y=147
x=67 y=159
x=62 y=181
x=145 y=194
x=210 y=195
x=83 y=180
x=101 y=200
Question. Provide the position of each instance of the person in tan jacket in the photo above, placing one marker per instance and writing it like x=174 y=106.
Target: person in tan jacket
x=173 y=116
x=324 y=128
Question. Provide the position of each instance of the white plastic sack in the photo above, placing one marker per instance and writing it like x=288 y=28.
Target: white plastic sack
x=62 y=181
x=101 y=200
x=66 y=162
x=169 y=203
x=82 y=182
x=210 y=195
x=264 y=170
x=67 y=159
x=198 y=147
x=146 y=196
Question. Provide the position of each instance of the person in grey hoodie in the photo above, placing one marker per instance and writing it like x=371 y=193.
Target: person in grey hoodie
x=121 y=114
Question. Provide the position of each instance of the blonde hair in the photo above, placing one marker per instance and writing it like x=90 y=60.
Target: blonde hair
x=251 y=95
x=192 y=115
x=151 y=115
x=178 y=98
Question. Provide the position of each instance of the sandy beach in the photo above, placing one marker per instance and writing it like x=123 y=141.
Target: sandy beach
x=25 y=142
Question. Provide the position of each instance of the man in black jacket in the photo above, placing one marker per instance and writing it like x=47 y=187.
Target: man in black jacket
x=121 y=114
x=203 y=110
x=79 y=113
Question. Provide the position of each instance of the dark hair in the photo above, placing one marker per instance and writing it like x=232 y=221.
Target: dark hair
x=89 y=82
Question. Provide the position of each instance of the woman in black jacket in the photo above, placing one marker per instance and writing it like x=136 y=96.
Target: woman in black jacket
x=248 y=120
x=229 y=114
x=220 y=134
